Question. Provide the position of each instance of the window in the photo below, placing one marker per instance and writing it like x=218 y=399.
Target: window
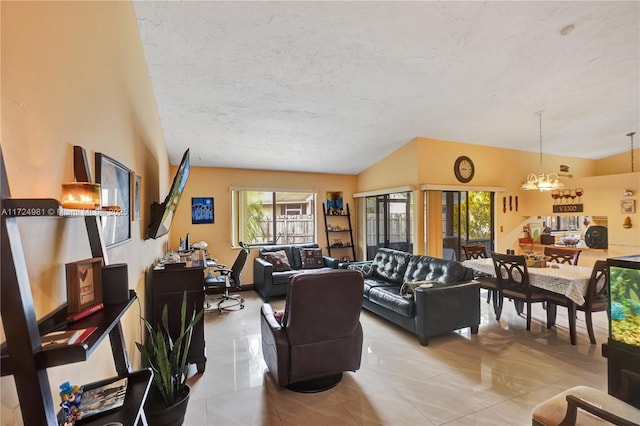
x=467 y=219
x=562 y=223
x=273 y=217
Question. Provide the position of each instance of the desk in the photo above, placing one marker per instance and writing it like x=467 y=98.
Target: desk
x=569 y=280
x=167 y=287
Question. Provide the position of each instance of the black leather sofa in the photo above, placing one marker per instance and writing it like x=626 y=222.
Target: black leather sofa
x=269 y=283
x=451 y=302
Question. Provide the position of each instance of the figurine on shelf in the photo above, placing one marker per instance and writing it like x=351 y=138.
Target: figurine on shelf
x=71 y=396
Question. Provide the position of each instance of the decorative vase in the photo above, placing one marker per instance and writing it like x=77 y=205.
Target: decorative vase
x=159 y=414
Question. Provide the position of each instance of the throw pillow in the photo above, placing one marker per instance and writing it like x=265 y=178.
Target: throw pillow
x=365 y=268
x=311 y=258
x=278 y=259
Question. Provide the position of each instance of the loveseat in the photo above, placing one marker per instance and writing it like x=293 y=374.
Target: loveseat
x=271 y=277
x=449 y=298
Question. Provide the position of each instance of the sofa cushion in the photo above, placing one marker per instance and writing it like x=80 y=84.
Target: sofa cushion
x=372 y=282
x=311 y=258
x=278 y=259
x=422 y=268
x=271 y=249
x=390 y=265
x=389 y=297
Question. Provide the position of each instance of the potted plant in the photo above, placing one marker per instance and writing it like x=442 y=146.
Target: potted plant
x=166 y=355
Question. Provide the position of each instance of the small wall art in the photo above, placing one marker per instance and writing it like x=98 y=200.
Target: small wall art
x=202 y=210
x=628 y=206
x=334 y=202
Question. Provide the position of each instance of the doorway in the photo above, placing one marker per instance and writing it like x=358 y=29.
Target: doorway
x=467 y=219
x=389 y=222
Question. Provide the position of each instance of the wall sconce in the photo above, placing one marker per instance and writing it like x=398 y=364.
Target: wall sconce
x=81 y=195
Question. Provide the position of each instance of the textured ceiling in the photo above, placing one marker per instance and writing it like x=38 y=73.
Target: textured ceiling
x=335 y=86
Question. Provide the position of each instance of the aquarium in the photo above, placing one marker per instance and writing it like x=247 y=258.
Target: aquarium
x=624 y=300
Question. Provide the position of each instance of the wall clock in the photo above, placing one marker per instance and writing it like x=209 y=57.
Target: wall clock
x=464 y=169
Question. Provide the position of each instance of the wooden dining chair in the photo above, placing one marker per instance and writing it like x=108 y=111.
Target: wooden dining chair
x=513 y=282
x=562 y=255
x=595 y=300
x=486 y=281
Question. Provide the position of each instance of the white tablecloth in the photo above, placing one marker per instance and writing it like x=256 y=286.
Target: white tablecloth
x=568 y=280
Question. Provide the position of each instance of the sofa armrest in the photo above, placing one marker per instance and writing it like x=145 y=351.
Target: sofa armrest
x=330 y=262
x=263 y=277
x=447 y=307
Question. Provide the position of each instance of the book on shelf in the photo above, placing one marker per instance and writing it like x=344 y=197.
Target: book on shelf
x=67 y=337
x=103 y=398
x=85 y=312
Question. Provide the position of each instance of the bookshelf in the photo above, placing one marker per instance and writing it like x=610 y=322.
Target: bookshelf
x=21 y=355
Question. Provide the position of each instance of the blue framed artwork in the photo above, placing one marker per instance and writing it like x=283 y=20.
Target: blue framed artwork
x=201 y=210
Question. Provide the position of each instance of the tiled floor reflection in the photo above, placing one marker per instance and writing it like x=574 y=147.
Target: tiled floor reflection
x=493 y=378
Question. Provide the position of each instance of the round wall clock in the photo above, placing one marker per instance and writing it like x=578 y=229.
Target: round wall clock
x=464 y=169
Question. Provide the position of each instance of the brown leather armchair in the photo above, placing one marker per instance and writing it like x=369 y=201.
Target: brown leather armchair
x=319 y=335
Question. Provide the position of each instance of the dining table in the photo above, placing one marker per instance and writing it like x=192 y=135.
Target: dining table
x=568 y=280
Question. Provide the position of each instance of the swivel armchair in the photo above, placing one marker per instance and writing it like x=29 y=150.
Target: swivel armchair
x=226 y=279
x=319 y=335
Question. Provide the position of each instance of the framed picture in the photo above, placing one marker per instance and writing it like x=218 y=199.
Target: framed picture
x=136 y=187
x=535 y=230
x=201 y=210
x=627 y=206
x=115 y=186
x=334 y=203
x=84 y=284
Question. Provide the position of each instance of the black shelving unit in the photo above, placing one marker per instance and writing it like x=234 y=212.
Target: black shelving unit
x=22 y=354
x=333 y=229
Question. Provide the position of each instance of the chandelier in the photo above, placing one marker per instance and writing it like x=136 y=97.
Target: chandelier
x=542 y=181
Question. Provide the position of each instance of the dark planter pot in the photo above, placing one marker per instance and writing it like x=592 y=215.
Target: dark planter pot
x=160 y=415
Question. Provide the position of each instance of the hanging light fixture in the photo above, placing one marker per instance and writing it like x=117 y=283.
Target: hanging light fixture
x=542 y=181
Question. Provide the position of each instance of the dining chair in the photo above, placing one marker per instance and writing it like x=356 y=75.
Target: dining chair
x=595 y=300
x=513 y=282
x=562 y=255
x=486 y=281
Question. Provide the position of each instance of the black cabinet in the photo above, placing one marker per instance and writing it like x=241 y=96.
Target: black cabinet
x=168 y=287
x=339 y=233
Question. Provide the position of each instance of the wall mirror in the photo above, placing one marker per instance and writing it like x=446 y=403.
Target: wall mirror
x=115 y=185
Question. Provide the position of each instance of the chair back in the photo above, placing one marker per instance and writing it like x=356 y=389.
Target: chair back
x=238 y=265
x=475 y=252
x=511 y=272
x=562 y=255
x=322 y=322
x=598 y=290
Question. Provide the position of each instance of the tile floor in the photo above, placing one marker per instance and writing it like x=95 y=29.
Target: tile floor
x=493 y=378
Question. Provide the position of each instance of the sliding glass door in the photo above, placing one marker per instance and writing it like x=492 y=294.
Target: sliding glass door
x=389 y=222
x=467 y=219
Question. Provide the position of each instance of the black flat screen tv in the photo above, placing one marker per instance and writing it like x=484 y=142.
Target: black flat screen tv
x=162 y=214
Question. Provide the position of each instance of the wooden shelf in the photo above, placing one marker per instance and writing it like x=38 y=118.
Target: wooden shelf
x=349 y=229
x=138 y=384
x=105 y=319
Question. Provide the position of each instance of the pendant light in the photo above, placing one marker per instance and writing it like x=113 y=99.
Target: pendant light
x=542 y=181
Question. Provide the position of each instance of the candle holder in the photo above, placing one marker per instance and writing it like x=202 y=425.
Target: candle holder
x=80 y=196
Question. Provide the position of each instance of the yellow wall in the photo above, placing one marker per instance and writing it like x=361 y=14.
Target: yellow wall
x=620 y=163
x=74 y=73
x=216 y=183
x=429 y=161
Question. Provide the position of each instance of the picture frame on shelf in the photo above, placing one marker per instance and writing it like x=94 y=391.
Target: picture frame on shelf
x=115 y=185
x=136 y=188
x=202 y=210
x=84 y=284
x=628 y=206
x=535 y=231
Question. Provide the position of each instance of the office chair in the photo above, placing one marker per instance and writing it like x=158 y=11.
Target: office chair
x=226 y=279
